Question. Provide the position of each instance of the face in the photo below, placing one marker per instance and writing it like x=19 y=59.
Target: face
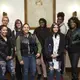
x=42 y=24
x=4 y=31
x=73 y=24
x=5 y=21
x=55 y=29
x=25 y=29
x=18 y=24
x=59 y=20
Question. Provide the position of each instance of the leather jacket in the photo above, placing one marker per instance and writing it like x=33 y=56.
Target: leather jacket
x=76 y=37
x=73 y=40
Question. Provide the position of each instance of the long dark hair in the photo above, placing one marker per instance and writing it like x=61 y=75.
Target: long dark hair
x=75 y=20
x=52 y=26
x=18 y=20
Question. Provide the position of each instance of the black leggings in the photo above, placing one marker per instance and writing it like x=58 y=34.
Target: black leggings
x=62 y=64
x=74 y=59
x=18 y=70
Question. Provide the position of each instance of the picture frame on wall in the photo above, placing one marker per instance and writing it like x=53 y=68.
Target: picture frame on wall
x=36 y=9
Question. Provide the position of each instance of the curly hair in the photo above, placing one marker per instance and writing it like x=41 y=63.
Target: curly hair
x=75 y=20
x=61 y=14
x=52 y=26
x=44 y=20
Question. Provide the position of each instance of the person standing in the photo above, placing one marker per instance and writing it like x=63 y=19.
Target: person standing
x=54 y=49
x=5 y=21
x=6 y=54
x=42 y=32
x=15 y=33
x=28 y=49
x=73 y=45
x=63 y=29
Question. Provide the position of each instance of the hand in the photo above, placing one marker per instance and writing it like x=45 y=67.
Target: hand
x=21 y=62
x=15 y=48
x=10 y=57
x=38 y=55
x=65 y=51
x=54 y=56
x=7 y=58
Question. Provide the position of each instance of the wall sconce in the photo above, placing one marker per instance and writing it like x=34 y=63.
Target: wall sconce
x=75 y=7
x=4 y=14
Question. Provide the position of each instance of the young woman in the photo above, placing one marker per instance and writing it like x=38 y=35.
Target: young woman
x=54 y=49
x=42 y=32
x=6 y=54
x=15 y=33
x=63 y=29
x=73 y=45
x=5 y=21
x=28 y=49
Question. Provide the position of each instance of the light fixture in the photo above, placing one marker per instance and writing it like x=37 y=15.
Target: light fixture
x=4 y=8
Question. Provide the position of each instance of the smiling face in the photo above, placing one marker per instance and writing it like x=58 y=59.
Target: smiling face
x=4 y=31
x=18 y=25
x=42 y=23
x=59 y=20
x=73 y=24
x=55 y=28
x=5 y=21
x=25 y=28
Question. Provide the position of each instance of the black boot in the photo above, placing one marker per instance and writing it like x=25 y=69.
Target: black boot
x=13 y=77
x=39 y=77
x=45 y=78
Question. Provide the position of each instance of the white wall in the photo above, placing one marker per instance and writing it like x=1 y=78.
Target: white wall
x=14 y=8
x=68 y=6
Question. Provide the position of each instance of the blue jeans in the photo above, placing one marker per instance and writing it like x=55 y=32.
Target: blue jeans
x=10 y=67
x=29 y=67
x=51 y=72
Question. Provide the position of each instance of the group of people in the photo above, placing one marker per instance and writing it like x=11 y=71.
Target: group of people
x=26 y=55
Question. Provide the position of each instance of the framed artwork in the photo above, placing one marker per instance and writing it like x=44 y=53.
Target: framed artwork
x=36 y=9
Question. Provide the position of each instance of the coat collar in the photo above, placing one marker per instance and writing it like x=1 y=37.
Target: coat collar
x=60 y=42
x=1 y=38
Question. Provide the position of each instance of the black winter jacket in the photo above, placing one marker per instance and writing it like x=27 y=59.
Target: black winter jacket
x=73 y=41
x=6 y=48
x=49 y=45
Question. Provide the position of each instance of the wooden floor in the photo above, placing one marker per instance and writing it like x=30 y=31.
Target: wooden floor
x=67 y=76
